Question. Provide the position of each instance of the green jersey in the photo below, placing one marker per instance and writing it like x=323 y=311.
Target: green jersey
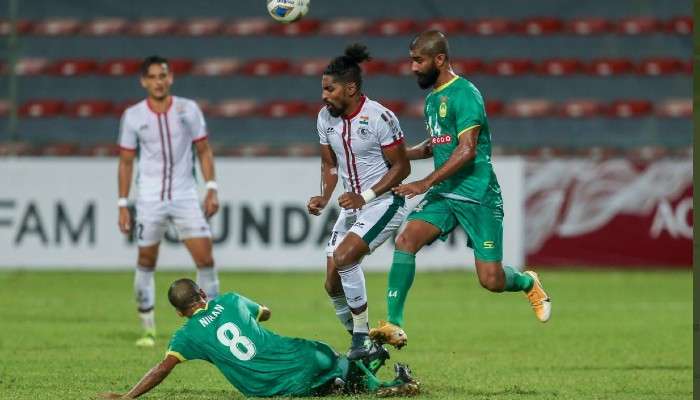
x=450 y=110
x=256 y=361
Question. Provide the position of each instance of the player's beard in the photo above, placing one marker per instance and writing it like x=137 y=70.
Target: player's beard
x=335 y=111
x=428 y=79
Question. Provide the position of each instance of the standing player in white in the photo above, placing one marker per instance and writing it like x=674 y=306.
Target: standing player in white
x=362 y=141
x=161 y=131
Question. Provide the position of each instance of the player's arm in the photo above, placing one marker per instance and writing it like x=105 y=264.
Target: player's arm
x=126 y=171
x=152 y=379
x=206 y=162
x=463 y=154
x=329 y=178
x=420 y=151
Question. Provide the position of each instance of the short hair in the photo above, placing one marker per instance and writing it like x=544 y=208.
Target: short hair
x=183 y=293
x=150 y=60
x=432 y=43
x=346 y=68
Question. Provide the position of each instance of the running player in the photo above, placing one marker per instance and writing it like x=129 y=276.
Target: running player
x=362 y=141
x=160 y=131
x=462 y=189
x=259 y=363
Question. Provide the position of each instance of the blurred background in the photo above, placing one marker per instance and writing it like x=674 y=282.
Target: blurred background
x=589 y=103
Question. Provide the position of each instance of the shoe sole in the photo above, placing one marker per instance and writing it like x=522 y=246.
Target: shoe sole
x=547 y=304
x=381 y=337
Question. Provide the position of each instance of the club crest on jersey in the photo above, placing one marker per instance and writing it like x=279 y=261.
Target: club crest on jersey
x=443 y=107
x=363 y=133
x=364 y=120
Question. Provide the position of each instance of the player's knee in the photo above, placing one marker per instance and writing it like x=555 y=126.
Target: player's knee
x=405 y=243
x=205 y=262
x=147 y=260
x=493 y=282
x=343 y=258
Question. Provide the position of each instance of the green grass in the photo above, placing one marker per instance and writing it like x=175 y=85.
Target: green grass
x=613 y=335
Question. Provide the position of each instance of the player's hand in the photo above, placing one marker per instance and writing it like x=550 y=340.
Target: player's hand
x=351 y=201
x=124 y=220
x=410 y=190
x=316 y=204
x=110 y=395
x=211 y=203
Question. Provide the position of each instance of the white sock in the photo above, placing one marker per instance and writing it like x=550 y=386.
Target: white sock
x=148 y=321
x=353 y=280
x=208 y=280
x=342 y=311
x=145 y=291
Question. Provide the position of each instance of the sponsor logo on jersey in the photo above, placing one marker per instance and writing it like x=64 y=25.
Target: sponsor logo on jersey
x=441 y=139
x=330 y=130
x=489 y=244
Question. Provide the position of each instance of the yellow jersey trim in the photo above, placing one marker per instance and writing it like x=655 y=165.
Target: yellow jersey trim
x=466 y=129
x=444 y=85
x=176 y=355
x=201 y=309
x=260 y=311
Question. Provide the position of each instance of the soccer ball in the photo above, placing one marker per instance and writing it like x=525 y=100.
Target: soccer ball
x=287 y=11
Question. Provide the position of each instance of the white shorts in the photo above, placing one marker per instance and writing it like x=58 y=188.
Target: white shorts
x=152 y=219
x=374 y=223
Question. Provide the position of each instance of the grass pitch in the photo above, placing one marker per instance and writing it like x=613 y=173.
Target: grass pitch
x=613 y=335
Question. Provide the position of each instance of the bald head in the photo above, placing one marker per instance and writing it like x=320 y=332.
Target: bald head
x=431 y=43
x=183 y=294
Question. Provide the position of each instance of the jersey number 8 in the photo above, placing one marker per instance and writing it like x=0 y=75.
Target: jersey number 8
x=230 y=336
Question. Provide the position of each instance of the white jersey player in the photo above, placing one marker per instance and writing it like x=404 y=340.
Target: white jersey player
x=162 y=131
x=361 y=141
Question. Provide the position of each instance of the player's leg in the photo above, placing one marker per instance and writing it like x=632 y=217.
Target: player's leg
x=334 y=288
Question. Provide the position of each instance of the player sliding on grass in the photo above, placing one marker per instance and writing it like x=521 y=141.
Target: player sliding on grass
x=225 y=332
x=462 y=189
x=361 y=141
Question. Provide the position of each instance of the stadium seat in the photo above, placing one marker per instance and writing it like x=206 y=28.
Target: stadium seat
x=23 y=27
x=310 y=67
x=646 y=153
x=559 y=67
x=248 y=150
x=374 y=67
x=60 y=150
x=180 y=65
x=509 y=67
x=343 y=26
x=660 y=66
x=200 y=27
x=580 y=108
x=216 y=66
x=687 y=67
x=494 y=108
x=490 y=27
x=205 y=105
x=248 y=26
x=4 y=108
x=72 y=67
x=630 y=108
x=89 y=108
x=587 y=26
x=396 y=106
x=16 y=149
x=680 y=25
x=415 y=109
x=57 y=27
x=392 y=27
x=119 y=67
x=119 y=108
x=105 y=27
x=100 y=150
x=41 y=108
x=449 y=26
x=675 y=108
x=610 y=66
x=266 y=67
x=31 y=66
x=304 y=27
x=529 y=108
x=466 y=66
x=540 y=26
x=638 y=25
x=400 y=67
x=152 y=27
x=300 y=150
x=284 y=109
x=597 y=153
x=234 y=108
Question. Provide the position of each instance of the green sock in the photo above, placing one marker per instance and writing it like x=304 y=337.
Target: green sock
x=403 y=270
x=517 y=281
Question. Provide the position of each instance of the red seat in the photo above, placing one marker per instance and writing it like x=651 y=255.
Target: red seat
x=680 y=25
x=529 y=108
x=105 y=27
x=60 y=150
x=205 y=105
x=248 y=26
x=122 y=67
x=248 y=150
x=597 y=153
x=266 y=67
x=41 y=108
x=687 y=67
x=300 y=28
x=89 y=108
x=72 y=67
x=630 y=108
x=509 y=67
x=396 y=106
x=374 y=67
x=311 y=67
x=180 y=65
x=610 y=66
x=16 y=149
x=445 y=25
x=660 y=66
x=23 y=27
x=200 y=27
x=393 y=27
x=101 y=150
x=580 y=108
x=57 y=27
x=4 y=108
x=494 y=108
x=490 y=26
x=559 y=66
x=153 y=27
x=344 y=26
x=31 y=66
x=301 y=150
x=399 y=68
x=119 y=107
x=415 y=109
x=638 y=25
x=588 y=26
x=646 y=153
x=540 y=26
x=234 y=108
x=675 y=108
x=284 y=109
x=467 y=66
x=217 y=66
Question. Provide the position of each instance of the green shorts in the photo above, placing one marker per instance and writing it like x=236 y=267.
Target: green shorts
x=483 y=225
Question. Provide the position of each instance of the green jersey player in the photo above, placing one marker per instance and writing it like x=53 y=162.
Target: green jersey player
x=225 y=332
x=462 y=190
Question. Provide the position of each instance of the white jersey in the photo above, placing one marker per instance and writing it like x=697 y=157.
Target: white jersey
x=357 y=142
x=164 y=142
